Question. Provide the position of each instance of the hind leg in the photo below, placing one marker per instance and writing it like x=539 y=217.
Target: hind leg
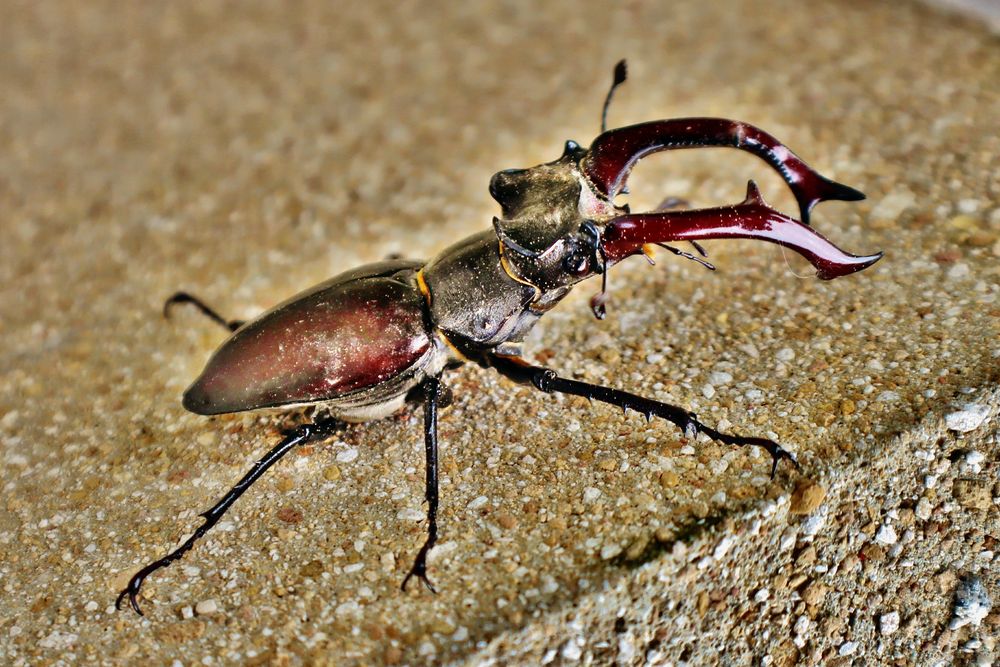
x=184 y=297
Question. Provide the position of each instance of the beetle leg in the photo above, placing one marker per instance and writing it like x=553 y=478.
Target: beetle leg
x=548 y=381
x=672 y=204
x=318 y=430
x=184 y=297
x=432 y=394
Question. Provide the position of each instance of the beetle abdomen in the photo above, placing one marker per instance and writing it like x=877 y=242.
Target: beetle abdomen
x=346 y=336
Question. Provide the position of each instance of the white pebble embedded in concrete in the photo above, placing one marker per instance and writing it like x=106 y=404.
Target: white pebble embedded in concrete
x=571 y=650
x=888 y=623
x=924 y=509
x=785 y=354
x=848 y=648
x=719 y=377
x=476 y=503
x=972 y=603
x=974 y=461
x=723 y=547
x=968 y=418
x=206 y=607
x=347 y=455
x=886 y=535
x=609 y=551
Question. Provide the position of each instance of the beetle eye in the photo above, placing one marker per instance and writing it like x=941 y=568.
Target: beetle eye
x=577 y=263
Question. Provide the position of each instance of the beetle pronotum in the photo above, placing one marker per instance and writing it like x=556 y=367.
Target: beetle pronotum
x=365 y=342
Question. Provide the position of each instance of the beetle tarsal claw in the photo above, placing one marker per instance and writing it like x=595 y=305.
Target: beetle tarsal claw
x=419 y=570
x=779 y=453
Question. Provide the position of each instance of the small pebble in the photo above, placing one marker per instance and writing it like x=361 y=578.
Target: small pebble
x=886 y=535
x=349 y=608
x=206 y=607
x=719 y=377
x=347 y=455
x=814 y=594
x=808 y=495
x=669 y=479
x=968 y=418
x=974 y=461
x=848 y=648
x=888 y=623
x=609 y=551
x=972 y=603
x=815 y=523
x=571 y=650
x=785 y=354
x=924 y=509
x=723 y=547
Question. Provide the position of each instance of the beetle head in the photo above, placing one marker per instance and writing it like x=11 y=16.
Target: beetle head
x=560 y=224
x=550 y=229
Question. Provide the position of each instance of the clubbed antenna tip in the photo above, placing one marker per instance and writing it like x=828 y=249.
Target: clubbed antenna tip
x=621 y=72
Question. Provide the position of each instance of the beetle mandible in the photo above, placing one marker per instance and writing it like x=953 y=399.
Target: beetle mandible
x=364 y=343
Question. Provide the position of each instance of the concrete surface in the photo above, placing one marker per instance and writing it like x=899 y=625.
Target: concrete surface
x=244 y=151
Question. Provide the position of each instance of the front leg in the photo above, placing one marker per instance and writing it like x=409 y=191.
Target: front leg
x=432 y=394
x=549 y=381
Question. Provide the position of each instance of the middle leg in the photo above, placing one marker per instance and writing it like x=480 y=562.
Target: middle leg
x=209 y=312
x=432 y=395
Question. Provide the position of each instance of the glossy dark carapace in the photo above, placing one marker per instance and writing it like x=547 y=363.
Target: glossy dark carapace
x=366 y=342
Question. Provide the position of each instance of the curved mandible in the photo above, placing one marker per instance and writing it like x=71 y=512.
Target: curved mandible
x=613 y=154
x=750 y=219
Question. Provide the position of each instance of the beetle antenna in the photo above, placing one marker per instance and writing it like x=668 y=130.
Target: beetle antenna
x=598 y=301
x=621 y=73
x=687 y=255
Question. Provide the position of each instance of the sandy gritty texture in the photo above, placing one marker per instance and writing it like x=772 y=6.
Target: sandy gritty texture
x=244 y=151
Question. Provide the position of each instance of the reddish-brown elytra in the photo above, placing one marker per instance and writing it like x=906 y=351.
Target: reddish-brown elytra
x=364 y=343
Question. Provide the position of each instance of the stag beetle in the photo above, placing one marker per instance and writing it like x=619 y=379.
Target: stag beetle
x=364 y=343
